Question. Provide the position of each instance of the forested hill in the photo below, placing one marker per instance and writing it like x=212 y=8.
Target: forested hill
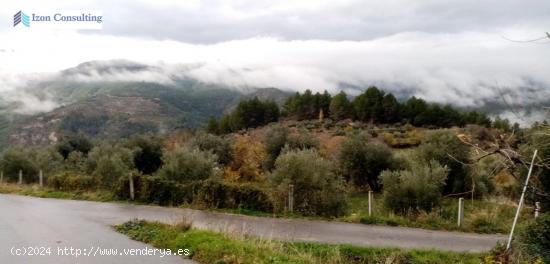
x=114 y=99
x=372 y=106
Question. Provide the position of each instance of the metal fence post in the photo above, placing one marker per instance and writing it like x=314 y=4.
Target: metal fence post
x=460 y=211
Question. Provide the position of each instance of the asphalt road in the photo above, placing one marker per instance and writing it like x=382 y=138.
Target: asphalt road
x=39 y=222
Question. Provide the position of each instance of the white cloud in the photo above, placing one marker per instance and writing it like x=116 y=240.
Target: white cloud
x=445 y=51
x=450 y=68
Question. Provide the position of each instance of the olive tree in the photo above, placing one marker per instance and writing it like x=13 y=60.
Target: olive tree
x=318 y=191
x=362 y=162
x=189 y=164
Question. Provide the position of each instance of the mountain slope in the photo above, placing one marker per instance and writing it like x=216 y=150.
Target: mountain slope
x=106 y=107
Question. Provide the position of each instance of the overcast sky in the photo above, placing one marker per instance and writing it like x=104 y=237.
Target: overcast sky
x=446 y=51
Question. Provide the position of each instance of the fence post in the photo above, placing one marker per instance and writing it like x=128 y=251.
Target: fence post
x=41 y=178
x=370 y=203
x=537 y=209
x=1 y=176
x=20 y=181
x=131 y=182
x=460 y=211
x=291 y=198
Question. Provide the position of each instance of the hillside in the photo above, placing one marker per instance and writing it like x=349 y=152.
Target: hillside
x=112 y=108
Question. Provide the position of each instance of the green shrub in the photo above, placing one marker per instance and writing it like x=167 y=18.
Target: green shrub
x=122 y=190
x=74 y=143
x=67 y=181
x=222 y=195
x=161 y=191
x=15 y=160
x=416 y=189
x=278 y=137
x=46 y=159
x=210 y=193
x=250 y=197
x=361 y=163
x=535 y=239
x=186 y=165
x=447 y=149
x=275 y=140
x=221 y=147
x=108 y=163
x=147 y=152
x=317 y=190
x=76 y=162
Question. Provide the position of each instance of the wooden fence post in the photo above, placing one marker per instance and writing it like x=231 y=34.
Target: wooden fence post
x=460 y=211
x=370 y=203
x=20 y=181
x=41 y=178
x=291 y=198
x=537 y=209
x=131 y=182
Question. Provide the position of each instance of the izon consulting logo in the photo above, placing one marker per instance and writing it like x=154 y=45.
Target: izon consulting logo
x=20 y=17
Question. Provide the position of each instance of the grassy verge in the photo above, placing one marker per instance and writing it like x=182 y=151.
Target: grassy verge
x=211 y=247
x=46 y=192
x=480 y=216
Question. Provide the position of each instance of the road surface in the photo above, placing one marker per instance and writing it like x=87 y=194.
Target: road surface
x=38 y=222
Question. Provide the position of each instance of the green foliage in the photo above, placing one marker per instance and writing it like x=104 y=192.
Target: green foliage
x=208 y=193
x=249 y=114
x=307 y=105
x=368 y=105
x=46 y=159
x=215 y=194
x=74 y=143
x=361 y=163
x=279 y=137
x=75 y=162
x=502 y=124
x=275 y=140
x=390 y=109
x=221 y=147
x=377 y=106
x=539 y=138
x=415 y=189
x=481 y=175
x=476 y=118
x=213 y=126
x=535 y=239
x=317 y=190
x=67 y=181
x=185 y=165
x=147 y=151
x=340 y=107
x=108 y=163
x=15 y=160
x=447 y=149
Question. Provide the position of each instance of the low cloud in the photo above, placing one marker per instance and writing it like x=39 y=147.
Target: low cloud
x=465 y=69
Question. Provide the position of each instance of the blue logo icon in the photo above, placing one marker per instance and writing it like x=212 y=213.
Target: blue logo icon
x=20 y=17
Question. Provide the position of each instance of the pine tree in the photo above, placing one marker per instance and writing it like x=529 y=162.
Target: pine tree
x=340 y=107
